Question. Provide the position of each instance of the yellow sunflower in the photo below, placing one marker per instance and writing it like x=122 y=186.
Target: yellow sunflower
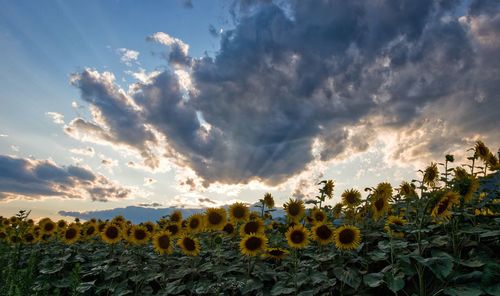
x=318 y=215
x=442 y=210
x=239 y=212
x=139 y=235
x=195 y=223
x=384 y=189
x=71 y=234
x=406 y=189
x=347 y=237
x=215 y=218
x=460 y=173
x=393 y=222
x=189 y=246
x=276 y=253
x=253 y=244
x=3 y=234
x=295 y=209
x=337 y=210
x=176 y=216
x=269 y=200
x=254 y=215
x=29 y=237
x=467 y=187
x=90 y=229
x=61 y=224
x=229 y=228
x=297 y=236
x=48 y=227
x=111 y=234
x=380 y=206
x=162 y=243
x=431 y=175
x=322 y=233
x=150 y=226
x=252 y=226
x=351 y=198
x=174 y=229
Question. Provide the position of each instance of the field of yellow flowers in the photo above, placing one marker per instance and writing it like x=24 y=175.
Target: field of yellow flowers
x=439 y=235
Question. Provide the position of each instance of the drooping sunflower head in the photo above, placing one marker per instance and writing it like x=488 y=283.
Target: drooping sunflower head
x=269 y=200
x=492 y=162
x=449 y=158
x=190 y=246
x=276 y=253
x=252 y=226
x=229 y=228
x=407 y=189
x=337 y=210
x=111 y=234
x=384 y=190
x=322 y=233
x=239 y=212
x=215 y=218
x=195 y=223
x=467 y=187
x=460 y=173
x=297 y=236
x=442 y=209
x=176 y=216
x=71 y=234
x=174 y=229
x=162 y=243
x=139 y=235
x=379 y=205
x=253 y=244
x=351 y=198
x=393 y=225
x=481 y=151
x=328 y=188
x=431 y=175
x=318 y=215
x=347 y=237
x=295 y=209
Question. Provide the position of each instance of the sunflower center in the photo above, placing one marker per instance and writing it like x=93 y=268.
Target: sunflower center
x=319 y=216
x=251 y=226
x=140 y=234
x=189 y=244
x=253 y=243
x=379 y=204
x=28 y=237
x=61 y=224
x=48 y=227
x=346 y=236
x=324 y=232
x=193 y=223
x=276 y=253
x=70 y=233
x=90 y=230
x=164 y=242
x=112 y=232
x=214 y=218
x=173 y=229
x=2 y=235
x=228 y=228
x=239 y=212
x=294 y=209
x=351 y=199
x=442 y=206
x=297 y=237
x=175 y=218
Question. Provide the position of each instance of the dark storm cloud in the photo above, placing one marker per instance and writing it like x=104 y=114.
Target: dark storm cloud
x=304 y=72
x=35 y=179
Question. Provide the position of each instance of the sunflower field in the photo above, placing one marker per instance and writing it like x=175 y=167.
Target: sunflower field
x=439 y=235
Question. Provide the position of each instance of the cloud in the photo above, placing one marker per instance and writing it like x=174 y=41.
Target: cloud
x=128 y=56
x=149 y=181
x=150 y=205
x=3 y=136
x=31 y=179
x=14 y=148
x=87 y=151
x=57 y=118
x=310 y=83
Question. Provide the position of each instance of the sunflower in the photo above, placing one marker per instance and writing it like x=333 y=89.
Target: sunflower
x=61 y=224
x=328 y=189
x=162 y=243
x=254 y=215
x=384 y=189
x=71 y=234
x=5 y=222
x=460 y=173
x=48 y=227
x=407 y=189
x=295 y=209
x=276 y=253
x=380 y=206
x=392 y=223
x=139 y=235
x=442 y=210
x=215 y=218
x=322 y=233
x=229 y=228
x=481 y=151
x=297 y=236
x=351 y=198
x=111 y=234
x=269 y=200
x=318 y=215
x=449 y=158
x=239 y=212
x=119 y=220
x=253 y=244
x=189 y=246
x=195 y=223
x=431 y=175
x=252 y=226
x=101 y=225
x=90 y=229
x=174 y=229
x=492 y=162
x=467 y=187
x=176 y=216
x=3 y=234
x=347 y=237
x=150 y=226
x=29 y=237
x=337 y=210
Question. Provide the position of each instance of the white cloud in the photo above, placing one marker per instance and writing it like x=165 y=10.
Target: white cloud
x=57 y=118
x=128 y=55
x=87 y=151
x=3 y=136
x=149 y=181
x=165 y=39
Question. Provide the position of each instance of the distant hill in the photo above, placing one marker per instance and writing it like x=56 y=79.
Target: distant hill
x=142 y=214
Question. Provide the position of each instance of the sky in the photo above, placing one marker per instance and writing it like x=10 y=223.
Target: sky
x=108 y=104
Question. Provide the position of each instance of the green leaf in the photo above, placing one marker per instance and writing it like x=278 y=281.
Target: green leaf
x=319 y=277
x=441 y=264
x=251 y=285
x=53 y=269
x=490 y=281
x=373 y=279
x=474 y=262
x=349 y=276
x=490 y=234
x=378 y=255
x=463 y=291
x=85 y=286
x=394 y=282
